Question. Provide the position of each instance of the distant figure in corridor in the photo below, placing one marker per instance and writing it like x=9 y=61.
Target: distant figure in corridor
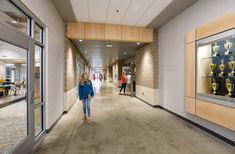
x=86 y=93
x=94 y=77
x=101 y=77
x=123 y=82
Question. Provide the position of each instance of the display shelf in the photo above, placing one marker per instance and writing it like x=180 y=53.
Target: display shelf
x=213 y=57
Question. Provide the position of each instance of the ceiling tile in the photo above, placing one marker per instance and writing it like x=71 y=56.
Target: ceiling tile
x=98 y=10
x=116 y=17
x=153 y=11
x=80 y=9
x=136 y=11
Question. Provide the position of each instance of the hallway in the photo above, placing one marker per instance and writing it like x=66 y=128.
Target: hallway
x=126 y=125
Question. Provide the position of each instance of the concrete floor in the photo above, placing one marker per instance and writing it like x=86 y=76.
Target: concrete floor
x=125 y=125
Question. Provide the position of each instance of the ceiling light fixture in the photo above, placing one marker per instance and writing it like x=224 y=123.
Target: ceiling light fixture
x=124 y=53
x=109 y=45
x=80 y=40
x=14 y=21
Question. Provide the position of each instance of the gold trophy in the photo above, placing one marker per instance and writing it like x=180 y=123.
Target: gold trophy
x=222 y=68
x=231 y=65
x=211 y=68
x=216 y=50
x=228 y=45
x=229 y=86
x=215 y=86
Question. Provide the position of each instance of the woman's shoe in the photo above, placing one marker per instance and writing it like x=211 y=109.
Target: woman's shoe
x=84 y=117
x=88 y=120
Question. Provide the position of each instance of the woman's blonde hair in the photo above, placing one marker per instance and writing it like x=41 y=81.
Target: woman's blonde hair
x=83 y=80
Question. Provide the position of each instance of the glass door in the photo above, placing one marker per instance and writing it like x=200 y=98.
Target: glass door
x=16 y=91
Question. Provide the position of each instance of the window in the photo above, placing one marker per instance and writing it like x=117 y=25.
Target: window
x=13 y=16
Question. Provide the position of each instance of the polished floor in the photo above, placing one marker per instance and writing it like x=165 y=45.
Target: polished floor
x=125 y=125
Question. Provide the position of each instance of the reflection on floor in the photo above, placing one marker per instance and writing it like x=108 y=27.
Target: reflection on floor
x=13 y=126
x=125 y=125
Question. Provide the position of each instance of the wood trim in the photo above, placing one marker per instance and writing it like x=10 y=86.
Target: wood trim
x=76 y=30
x=146 y=35
x=190 y=70
x=130 y=33
x=221 y=24
x=216 y=113
x=190 y=36
x=113 y=32
x=190 y=105
x=94 y=31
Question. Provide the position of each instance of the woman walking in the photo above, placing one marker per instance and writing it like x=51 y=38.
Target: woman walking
x=86 y=92
x=123 y=82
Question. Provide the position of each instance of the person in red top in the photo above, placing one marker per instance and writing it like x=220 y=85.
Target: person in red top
x=123 y=82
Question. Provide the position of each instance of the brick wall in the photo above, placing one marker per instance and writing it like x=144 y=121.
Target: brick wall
x=146 y=59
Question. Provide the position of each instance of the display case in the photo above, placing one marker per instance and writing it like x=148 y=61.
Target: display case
x=215 y=66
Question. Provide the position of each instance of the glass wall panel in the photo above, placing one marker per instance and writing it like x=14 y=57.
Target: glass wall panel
x=13 y=16
x=37 y=33
x=38 y=120
x=37 y=75
x=13 y=89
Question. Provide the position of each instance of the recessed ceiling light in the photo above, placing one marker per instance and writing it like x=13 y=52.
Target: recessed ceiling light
x=138 y=43
x=80 y=40
x=109 y=45
x=124 y=53
x=14 y=21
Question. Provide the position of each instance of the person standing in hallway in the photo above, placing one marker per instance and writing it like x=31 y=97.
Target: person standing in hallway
x=86 y=92
x=123 y=82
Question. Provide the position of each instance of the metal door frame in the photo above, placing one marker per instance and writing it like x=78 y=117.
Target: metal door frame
x=11 y=35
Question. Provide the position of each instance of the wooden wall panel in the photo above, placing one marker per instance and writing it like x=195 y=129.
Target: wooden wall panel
x=113 y=32
x=190 y=36
x=190 y=105
x=146 y=34
x=94 y=31
x=219 y=25
x=130 y=33
x=76 y=30
x=216 y=113
x=190 y=70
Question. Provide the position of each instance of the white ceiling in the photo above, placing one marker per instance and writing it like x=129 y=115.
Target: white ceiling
x=131 y=12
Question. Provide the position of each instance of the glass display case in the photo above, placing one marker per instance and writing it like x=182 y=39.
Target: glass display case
x=215 y=66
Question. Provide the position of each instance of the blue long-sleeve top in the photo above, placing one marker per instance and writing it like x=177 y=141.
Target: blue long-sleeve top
x=85 y=90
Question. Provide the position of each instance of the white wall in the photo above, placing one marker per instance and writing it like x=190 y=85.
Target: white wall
x=171 y=55
x=47 y=13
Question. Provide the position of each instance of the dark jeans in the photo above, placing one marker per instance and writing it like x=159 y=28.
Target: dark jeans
x=123 y=87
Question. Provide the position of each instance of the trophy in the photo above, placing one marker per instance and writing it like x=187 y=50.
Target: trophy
x=215 y=86
x=228 y=45
x=222 y=68
x=215 y=49
x=211 y=68
x=229 y=86
x=231 y=65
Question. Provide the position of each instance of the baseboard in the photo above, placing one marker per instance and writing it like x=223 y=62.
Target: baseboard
x=65 y=112
x=54 y=124
x=202 y=128
x=154 y=106
x=192 y=123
